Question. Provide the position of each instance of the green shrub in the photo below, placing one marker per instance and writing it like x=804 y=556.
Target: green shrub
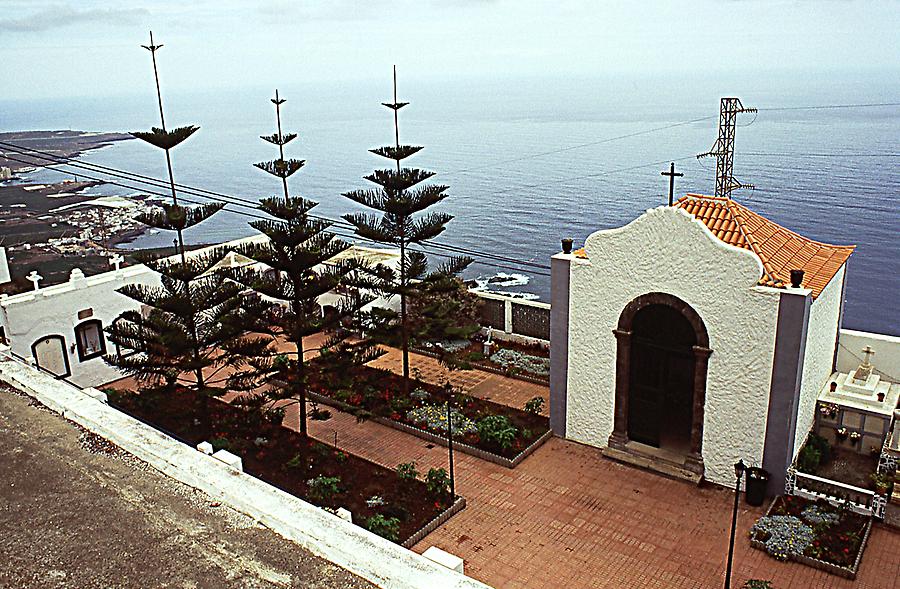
x=808 y=460
x=386 y=527
x=220 y=443
x=757 y=584
x=535 y=405
x=407 y=471
x=497 y=430
x=322 y=488
x=437 y=482
x=821 y=444
x=275 y=415
x=295 y=462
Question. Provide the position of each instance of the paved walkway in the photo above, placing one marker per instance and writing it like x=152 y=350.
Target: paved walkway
x=567 y=517
x=504 y=390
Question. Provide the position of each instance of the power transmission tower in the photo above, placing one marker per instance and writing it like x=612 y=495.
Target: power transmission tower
x=723 y=148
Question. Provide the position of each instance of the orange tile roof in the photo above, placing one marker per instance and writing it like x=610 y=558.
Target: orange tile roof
x=780 y=249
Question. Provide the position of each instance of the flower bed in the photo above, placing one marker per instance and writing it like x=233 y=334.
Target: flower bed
x=530 y=363
x=315 y=472
x=814 y=533
x=488 y=427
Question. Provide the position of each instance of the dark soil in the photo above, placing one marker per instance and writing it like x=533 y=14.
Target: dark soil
x=379 y=392
x=287 y=460
x=838 y=544
x=849 y=467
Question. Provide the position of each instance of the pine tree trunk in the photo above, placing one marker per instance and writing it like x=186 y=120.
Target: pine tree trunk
x=301 y=387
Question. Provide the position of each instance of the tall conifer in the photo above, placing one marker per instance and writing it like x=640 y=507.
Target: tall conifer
x=182 y=338
x=400 y=199
x=299 y=251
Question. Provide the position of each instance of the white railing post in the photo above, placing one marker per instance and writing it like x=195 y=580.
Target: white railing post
x=879 y=502
x=790 y=481
x=507 y=316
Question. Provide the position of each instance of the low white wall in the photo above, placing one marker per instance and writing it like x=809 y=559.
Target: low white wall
x=821 y=338
x=361 y=552
x=886 y=358
x=667 y=250
x=53 y=311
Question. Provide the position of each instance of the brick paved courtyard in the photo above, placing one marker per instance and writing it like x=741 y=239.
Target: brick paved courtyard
x=568 y=517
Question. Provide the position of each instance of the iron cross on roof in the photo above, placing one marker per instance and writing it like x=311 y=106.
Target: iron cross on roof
x=671 y=174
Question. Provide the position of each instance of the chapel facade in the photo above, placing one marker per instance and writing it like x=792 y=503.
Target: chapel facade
x=697 y=335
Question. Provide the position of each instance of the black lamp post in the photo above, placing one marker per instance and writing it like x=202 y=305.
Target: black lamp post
x=450 y=440
x=739 y=470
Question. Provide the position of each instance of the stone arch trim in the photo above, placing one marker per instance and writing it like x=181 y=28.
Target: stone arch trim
x=618 y=440
x=660 y=298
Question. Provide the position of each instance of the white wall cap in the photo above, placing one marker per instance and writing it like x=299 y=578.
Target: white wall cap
x=96 y=394
x=230 y=459
x=206 y=448
x=443 y=558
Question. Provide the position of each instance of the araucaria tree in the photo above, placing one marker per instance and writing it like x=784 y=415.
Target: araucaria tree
x=402 y=199
x=300 y=268
x=193 y=317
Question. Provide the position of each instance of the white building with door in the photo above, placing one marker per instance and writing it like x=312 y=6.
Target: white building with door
x=60 y=328
x=678 y=342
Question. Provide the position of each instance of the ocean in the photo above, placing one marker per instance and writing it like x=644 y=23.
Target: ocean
x=530 y=161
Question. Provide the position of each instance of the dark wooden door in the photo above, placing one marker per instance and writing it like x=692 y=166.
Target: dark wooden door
x=647 y=398
x=661 y=391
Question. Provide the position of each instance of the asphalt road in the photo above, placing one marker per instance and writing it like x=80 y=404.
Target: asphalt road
x=77 y=512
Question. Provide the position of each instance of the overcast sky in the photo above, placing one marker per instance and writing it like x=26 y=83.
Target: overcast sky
x=90 y=48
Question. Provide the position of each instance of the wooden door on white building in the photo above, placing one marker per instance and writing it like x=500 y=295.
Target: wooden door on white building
x=50 y=355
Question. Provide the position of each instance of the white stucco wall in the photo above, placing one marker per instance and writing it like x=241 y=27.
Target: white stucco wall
x=29 y=317
x=821 y=338
x=667 y=250
x=53 y=311
x=886 y=347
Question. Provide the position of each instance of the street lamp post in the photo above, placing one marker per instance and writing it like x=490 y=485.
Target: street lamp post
x=739 y=469
x=450 y=440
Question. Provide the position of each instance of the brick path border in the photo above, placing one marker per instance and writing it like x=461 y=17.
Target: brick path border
x=431 y=526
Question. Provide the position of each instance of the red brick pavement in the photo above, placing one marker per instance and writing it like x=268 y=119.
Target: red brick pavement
x=507 y=391
x=567 y=517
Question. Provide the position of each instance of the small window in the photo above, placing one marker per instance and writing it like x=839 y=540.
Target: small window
x=89 y=339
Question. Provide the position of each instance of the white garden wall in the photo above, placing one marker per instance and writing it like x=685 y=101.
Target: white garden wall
x=667 y=250
x=821 y=338
x=361 y=552
x=886 y=347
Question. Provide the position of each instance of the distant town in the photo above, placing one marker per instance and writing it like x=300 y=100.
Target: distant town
x=55 y=227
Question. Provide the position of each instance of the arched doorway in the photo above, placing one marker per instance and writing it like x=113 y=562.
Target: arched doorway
x=662 y=354
x=50 y=354
x=661 y=383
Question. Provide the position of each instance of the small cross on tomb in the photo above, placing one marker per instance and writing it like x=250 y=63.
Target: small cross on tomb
x=116 y=260
x=35 y=279
x=868 y=351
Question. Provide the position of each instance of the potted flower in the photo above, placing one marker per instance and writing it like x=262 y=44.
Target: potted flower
x=855 y=437
x=881 y=397
x=841 y=433
x=882 y=482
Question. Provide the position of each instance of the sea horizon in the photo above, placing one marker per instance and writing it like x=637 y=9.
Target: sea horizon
x=530 y=163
